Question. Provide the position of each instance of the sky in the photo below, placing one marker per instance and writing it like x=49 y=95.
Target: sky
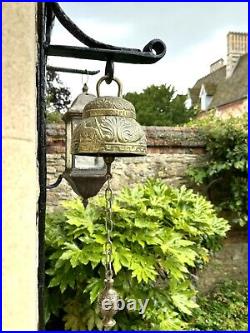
x=194 y=33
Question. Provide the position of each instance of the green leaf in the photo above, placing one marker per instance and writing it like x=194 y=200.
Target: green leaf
x=116 y=263
x=183 y=303
x=94 y=287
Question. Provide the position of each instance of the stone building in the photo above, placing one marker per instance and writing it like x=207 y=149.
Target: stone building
x=225 y=87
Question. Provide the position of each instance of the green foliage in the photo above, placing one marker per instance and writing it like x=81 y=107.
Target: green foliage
x=160 y=106
x=54 y=117
x=225 y=171
x=225 y=309
x=57 y=97
x=161 y=234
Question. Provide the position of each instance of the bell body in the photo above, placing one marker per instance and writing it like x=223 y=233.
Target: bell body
x=109 y=127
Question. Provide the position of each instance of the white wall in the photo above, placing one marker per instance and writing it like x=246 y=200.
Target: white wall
x=20 y=179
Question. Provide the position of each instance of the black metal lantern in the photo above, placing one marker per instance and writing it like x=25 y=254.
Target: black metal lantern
x=85 y=174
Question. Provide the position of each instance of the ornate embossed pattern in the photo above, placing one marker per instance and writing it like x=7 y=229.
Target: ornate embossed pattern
x=109 y=135
x=108 y=130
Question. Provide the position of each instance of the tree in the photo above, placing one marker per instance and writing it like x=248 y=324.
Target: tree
x=57 y=97
x=160 y=106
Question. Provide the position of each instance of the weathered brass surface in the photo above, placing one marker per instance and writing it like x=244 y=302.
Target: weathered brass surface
x=109 y=127
x=108 y=301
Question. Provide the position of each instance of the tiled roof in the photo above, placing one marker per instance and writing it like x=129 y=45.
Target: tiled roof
x=235 y=87
x=210 y=88
x=224 y=90
x=213 y=78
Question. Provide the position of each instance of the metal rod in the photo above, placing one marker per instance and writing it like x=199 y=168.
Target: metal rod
x=41 y=157
x=71 y=70
x=104 y=54
x=77 y=32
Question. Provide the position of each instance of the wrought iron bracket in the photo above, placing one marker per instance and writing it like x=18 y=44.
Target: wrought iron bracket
x=95 y=50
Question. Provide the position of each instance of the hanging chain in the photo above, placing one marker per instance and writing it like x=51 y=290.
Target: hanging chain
x=108 y=224
x=108 y=294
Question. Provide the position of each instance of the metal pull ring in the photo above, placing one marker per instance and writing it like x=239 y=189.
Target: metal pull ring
x=105 y=78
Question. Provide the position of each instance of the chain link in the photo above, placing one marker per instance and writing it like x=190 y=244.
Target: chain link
x=108 y=223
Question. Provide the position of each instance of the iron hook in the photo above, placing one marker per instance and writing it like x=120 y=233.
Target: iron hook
x=109 y=71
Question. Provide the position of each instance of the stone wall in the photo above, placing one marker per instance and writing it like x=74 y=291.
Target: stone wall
x=231 y=262
x=170 y=152
x=56 y=166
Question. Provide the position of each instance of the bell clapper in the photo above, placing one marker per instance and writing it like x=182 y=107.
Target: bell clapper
x=109 y=297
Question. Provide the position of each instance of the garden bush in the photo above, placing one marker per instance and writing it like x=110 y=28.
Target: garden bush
x=161 y=234
x=224 y=309
x=225 y=172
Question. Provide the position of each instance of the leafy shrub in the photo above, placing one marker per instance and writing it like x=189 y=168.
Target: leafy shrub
x=225 y=172
x=161 y=234
x=225 y=309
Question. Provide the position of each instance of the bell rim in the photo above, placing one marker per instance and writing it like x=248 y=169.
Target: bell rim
x=108 y=112
x=109 y=149
x=113 y=153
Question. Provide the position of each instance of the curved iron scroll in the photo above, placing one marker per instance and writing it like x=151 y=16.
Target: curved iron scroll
x=77 y=32
x=151 y=53
x=56 y=183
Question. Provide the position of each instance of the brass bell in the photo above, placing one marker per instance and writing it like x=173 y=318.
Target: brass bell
x=109 y=127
